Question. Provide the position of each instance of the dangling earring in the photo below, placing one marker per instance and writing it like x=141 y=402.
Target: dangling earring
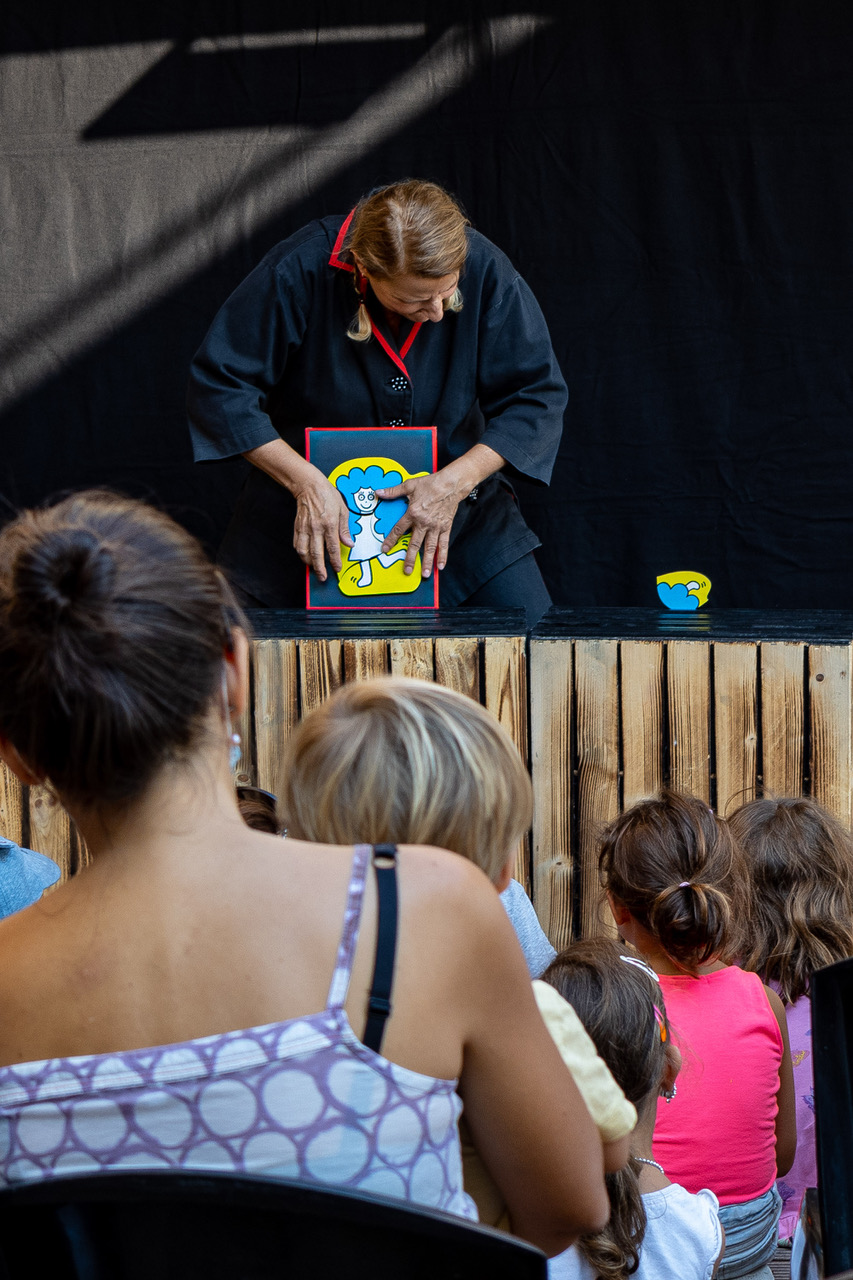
x=234 y=738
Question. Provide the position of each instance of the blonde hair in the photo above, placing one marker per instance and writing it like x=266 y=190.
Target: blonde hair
x=399 y=760
x=408 y=228
x=800 y=861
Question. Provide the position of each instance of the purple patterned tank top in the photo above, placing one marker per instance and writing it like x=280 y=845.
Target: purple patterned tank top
x=299 y=1099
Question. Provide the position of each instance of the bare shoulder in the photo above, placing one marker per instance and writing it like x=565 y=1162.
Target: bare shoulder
x=778 y=1008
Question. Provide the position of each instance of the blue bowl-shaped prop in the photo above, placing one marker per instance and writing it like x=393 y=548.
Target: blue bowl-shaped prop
x=684 y=591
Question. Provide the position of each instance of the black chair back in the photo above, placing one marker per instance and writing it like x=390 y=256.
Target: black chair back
x=832 y=1042
x=181 y=1226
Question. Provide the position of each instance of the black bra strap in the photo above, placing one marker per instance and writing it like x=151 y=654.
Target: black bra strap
x=379 y=1002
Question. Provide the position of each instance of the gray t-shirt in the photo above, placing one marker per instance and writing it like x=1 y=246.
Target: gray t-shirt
x=538 y=951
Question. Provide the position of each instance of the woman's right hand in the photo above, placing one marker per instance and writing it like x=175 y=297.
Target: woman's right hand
x=322 y=522
x=322 y=519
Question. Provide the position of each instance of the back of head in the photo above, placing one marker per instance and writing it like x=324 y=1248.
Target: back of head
x=800 y=862
x=619 y=1001
x=676 y=867
x=409 y=228
x=112 y=630
x=405 y=761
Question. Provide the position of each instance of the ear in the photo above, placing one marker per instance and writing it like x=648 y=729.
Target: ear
x=12 y=757
x=619 y=911
x=236 y=661
x=672 y=1068
x=505 y=876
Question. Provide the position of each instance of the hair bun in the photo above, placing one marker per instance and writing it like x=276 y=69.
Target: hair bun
x=62 y=578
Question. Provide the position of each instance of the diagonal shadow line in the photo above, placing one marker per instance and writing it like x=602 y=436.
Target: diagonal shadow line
x=116 y=295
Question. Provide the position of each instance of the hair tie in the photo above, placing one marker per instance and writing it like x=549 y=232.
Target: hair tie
x=659 y=1019
x=685 y=884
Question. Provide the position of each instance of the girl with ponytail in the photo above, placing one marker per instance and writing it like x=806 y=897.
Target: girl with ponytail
x=656 y=1228
x=676 y=883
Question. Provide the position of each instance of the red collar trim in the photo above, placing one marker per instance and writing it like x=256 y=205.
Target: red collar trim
x=335 y=260
x=404 y=350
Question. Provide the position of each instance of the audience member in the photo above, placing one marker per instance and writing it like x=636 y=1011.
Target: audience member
x=675 y=879
x=393 y=759
x=656 y=1228
x=800 y=861
x=170 y=1006
x=24 y=876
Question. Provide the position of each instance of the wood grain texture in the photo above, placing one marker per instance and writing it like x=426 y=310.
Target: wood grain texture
x=505 y=661
x=364 y=659
x=12 y=805
x=829 y=704
x=320 y=671
x=52 y=831
x=783 y=727
x=643 y=729
x=551 y=683
x=457 y=665
x=413 y=656
x=276 y=707
x=244 y=724
x=735 y=724
x=689 y=693
x=597 y=717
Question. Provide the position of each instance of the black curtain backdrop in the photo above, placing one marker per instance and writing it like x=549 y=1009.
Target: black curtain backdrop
x=674 y=180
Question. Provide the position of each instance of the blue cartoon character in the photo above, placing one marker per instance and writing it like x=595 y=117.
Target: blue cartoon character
x=371 y=519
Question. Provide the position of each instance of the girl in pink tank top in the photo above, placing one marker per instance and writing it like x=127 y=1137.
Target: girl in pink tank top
x=677 y=886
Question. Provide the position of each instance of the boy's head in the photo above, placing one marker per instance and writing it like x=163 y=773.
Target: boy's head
x=403 y=761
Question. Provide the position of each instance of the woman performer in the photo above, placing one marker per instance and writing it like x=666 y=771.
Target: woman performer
x=445 y=333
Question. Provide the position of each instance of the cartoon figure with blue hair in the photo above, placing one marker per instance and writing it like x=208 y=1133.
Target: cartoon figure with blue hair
x=371 y=519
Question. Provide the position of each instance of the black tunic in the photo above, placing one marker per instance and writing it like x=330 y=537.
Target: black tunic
x=277 y=359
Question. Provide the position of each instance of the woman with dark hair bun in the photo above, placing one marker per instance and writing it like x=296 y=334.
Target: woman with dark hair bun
x=197 y=996
x=677 y=886
x=396 y=314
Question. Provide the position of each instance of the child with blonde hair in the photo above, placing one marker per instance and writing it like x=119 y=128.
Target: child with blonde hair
x=800 y=861
x=397 y=760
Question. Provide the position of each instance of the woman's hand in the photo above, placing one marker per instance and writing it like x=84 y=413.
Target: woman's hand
x=322 y=522
x=432 y=505
x=433 y=501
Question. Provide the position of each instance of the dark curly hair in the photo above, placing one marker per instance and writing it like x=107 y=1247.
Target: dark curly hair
x=800 y=861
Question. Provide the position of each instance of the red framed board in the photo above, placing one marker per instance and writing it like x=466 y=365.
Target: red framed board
x=358 y=461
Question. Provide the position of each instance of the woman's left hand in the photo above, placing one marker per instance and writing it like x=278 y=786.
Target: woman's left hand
x=433 y=501
x=432 y=505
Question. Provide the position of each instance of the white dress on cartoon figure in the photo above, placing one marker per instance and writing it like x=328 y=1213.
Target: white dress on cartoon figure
x=367 y=544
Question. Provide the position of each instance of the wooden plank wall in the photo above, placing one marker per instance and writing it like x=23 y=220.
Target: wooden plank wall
x=605 y=723
x=613 y=721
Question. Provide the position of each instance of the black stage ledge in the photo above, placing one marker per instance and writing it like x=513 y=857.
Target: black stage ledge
x=347 y=624
x=828 y=626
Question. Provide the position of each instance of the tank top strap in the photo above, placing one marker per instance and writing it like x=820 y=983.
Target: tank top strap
x=349 y=933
